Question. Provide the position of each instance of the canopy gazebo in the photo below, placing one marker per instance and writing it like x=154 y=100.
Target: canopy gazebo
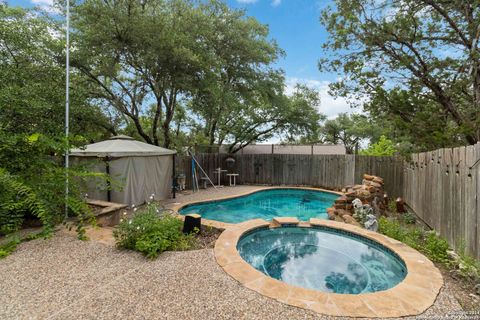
x=142 y=169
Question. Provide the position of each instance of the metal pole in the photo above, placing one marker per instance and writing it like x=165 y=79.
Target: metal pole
x=174 y=178
x=67 y=106
x=107 y=171
x=193 y=175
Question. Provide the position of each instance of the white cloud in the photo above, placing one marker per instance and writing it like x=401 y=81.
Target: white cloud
x=43 y=2
x=276 y=3
x=329 y=106
x=46 y=5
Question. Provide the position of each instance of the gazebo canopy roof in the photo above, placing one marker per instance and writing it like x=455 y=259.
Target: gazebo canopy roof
x=121 y=146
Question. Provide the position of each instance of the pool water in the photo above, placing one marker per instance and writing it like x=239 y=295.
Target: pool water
x=267 y=204
x=322 y=259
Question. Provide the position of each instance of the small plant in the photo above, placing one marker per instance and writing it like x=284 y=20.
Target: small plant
x=468 y=266
x=408 y=218
x=391 y=228
x=392 y=206
x=7 y=248
x=414 y=238
x=433 y=246
x=152 y=233
x=16 y=200
x=436 y=248
x=429 y=242
x=13 y=241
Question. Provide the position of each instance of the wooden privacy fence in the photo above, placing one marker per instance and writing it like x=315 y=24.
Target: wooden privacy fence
x=327 y=171
x=442 y=188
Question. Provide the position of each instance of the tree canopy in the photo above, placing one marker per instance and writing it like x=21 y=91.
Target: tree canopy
x=32 y=104
x=176 y=68
x=414 y=64
x=347 y=129
x=383 y=147
x=32 y=80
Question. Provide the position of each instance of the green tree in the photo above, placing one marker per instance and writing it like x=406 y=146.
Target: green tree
x=347 y=129
x=147 y=59
x=241 y=79
x=141 y=57
x=32 y=80
x=171 y=69
x=383 y=147
x=32 y=102
x=288 y=116
x=401 y=53
x=412 y=121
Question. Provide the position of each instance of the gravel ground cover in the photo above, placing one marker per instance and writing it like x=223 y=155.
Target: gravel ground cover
x=65 y=278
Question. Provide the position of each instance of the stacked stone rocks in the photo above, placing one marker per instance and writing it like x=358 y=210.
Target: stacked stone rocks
x=370 y=192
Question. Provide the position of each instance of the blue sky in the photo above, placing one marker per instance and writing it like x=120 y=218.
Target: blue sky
x=295 y=25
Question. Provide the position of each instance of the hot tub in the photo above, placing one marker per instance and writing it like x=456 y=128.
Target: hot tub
x=323 y=259
x=329 y=267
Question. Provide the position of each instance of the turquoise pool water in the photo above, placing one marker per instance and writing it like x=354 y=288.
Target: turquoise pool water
x=322 y=259
x=267 y=204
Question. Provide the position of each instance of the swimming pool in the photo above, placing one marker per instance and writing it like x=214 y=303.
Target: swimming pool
x=266 y=204
x=322 y=259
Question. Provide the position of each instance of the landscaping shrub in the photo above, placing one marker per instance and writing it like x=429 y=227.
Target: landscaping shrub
x=32 y=183
x=432 y=245
x=392 y=206
x=467 y=265
x=428 y=243
x=414 y=238
x=16 y=201
x=9 y=247
x=151 y=233
x=391 y=228
x=408 y=218
x=435 y=247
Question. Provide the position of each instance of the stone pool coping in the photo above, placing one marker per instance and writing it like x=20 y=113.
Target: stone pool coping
x=415 y=294
x=224 y=225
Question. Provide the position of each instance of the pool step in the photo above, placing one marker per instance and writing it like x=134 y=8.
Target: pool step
x=279 y=221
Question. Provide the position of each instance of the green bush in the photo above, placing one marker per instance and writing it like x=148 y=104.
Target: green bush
x=383 y=147
x=9 y=247
x=151 y=234
x=392 y=206
x=428 y=243
x=391 y=228
x=468 y=266
x=414 y=238
x=32 y=183
x=17 y=200
x=432 y=245
x=408 y=218
x=435 y=247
